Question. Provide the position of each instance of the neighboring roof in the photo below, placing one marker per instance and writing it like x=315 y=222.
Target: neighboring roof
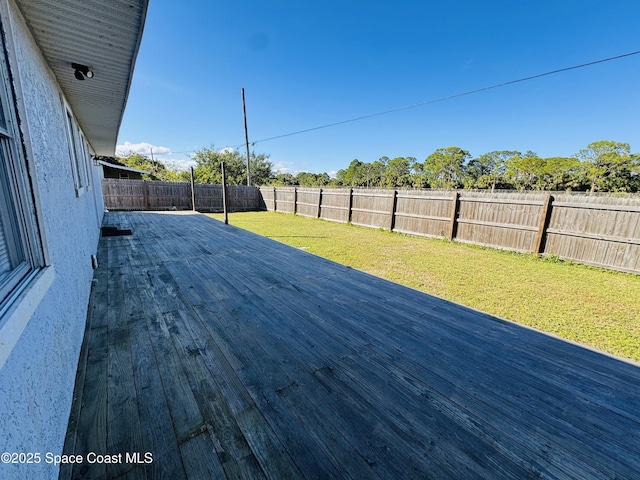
x=120 y=167
x=106 y=37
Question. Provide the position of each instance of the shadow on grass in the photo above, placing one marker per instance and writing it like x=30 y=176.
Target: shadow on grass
x=294 y=236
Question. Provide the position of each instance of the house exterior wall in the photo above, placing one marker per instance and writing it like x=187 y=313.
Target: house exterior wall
x=41 y=336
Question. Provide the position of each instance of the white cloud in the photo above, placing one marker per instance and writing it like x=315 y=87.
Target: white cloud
x=286 y=167
x=180 y=165
x=142 y=148
x=160 y=153
x=228 y=150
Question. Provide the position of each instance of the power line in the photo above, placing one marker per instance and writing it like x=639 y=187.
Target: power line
x=448 y=97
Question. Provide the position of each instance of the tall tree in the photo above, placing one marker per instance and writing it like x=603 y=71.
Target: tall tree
x=284 y=179
x=443 y=168
x=354 y=175
x=398 y=172
x=208 y=167
x=306 y=179
x=607 y=164
x=494 y=167
x=418 y=175
x=475 y=174
x=375 y=172
x=157 y=170
x=523 y=171
x=559 y=173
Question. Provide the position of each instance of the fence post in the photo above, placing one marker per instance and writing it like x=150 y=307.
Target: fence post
x=454 y=215
x=394 y=201
x=319 y=201
x=224 y=194
x=545 y=216
x=295 y=200
x=193 y=192
x=275 y=209
x=349 y=205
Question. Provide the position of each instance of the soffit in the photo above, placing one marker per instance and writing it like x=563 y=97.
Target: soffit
x=105 y=35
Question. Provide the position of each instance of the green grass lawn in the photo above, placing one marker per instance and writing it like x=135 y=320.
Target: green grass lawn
x=591 y=306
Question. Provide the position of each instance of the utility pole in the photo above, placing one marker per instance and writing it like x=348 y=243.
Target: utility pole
x=152 y=160
x=246 y=139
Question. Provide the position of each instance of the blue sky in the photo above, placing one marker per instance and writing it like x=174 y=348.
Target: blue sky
x=307 y=64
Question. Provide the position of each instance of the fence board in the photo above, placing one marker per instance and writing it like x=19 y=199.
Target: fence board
x=598 y=230
x=285 y=200
x=335 y=205
x=167 y=195
x=508 y=220
x=371 y=208
x=143 y=195
x=307 y=202
x=123 y=194
x=423 y=213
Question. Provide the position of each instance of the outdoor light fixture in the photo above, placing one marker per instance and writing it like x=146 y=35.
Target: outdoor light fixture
x=81 y=71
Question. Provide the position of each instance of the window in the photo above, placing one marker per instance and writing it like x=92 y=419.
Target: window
x=20 y=248
x=86 y=160
x=77 y=164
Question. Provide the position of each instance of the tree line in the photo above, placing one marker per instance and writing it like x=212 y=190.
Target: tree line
x=208 y=169
x=605 y=166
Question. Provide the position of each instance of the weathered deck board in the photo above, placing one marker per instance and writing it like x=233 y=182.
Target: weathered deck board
x=226 y=354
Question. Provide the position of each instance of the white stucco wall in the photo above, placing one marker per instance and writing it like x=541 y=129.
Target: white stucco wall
x=37 y=378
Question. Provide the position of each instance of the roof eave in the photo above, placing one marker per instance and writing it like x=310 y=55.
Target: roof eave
x=120 y=167
x=106 y=37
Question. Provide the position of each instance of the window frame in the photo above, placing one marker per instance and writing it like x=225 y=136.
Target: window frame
x=78 y=169
x=84 y=148
x=19 y=223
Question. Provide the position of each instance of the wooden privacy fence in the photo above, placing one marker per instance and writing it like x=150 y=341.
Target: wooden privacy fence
x=145 y=195
x=599 y=231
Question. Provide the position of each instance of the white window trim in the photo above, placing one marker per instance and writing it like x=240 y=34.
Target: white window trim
x=18 y=307
x=21 y=309
x=6 y=15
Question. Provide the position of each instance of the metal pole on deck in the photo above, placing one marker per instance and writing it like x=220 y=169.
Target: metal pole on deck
x=193 y=192
x=224 y=194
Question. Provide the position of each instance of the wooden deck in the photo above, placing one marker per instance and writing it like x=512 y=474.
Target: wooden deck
x=228 y=355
